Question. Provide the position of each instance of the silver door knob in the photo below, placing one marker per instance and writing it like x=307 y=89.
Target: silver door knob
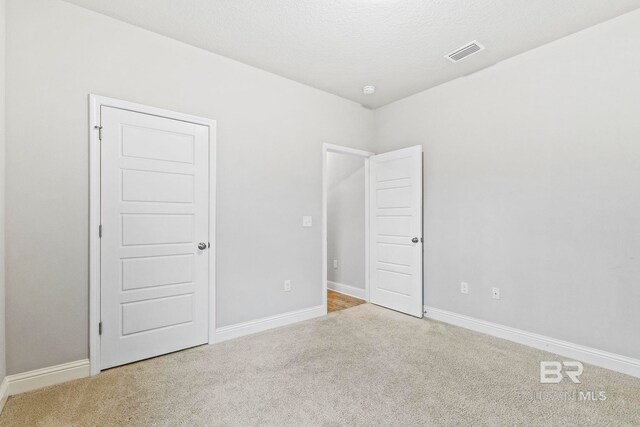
x=415 y=240
x=202 y=246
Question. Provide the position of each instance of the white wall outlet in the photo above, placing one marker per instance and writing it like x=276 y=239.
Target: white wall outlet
x=464 y=288
x=307 y=221
x=287 y=286
x=495 y=293
x=335 y=263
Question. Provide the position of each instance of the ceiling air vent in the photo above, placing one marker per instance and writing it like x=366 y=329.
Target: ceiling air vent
x=465 y=51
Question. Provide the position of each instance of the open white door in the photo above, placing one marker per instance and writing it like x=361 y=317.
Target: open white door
x=396 y=230
x=155 y=235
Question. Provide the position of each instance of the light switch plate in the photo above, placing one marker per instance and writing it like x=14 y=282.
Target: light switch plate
x=307 y=221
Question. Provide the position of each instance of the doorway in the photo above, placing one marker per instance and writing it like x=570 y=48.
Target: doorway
x=392 y=241
x=153 y=238
x=345 y=227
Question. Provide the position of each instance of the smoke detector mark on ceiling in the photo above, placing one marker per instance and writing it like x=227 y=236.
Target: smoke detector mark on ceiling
x=369 y=90
x=465 y=51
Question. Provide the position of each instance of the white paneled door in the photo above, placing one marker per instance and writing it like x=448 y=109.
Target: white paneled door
x=396 y=230
x=155 y=235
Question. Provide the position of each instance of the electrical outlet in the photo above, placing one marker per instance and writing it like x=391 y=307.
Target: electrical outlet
x=307 y=221
x=335 y=263
x=495 y=293
x=287 y=286
x=464 y=288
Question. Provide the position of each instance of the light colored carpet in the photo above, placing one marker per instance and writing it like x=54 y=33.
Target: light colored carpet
x=361 y=366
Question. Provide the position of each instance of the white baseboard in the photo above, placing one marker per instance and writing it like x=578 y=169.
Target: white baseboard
x=352 y=291
x=32 y=380
x=251 y=327
x=604 y=359
x=4 y=393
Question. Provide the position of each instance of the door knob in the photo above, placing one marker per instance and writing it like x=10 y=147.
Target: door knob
x=415 y=240
x=202 y=246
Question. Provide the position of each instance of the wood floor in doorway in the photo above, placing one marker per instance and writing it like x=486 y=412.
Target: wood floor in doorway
x=337 y=301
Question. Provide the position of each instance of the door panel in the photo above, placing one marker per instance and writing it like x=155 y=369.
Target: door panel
x=156 y=229
x=154 y=212
x=150 y=314
x=157 y=144
x=145 y=186
x=152 y=271
x=396 y=210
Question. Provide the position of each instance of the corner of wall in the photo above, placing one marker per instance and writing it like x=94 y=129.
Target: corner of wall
x=3 y=367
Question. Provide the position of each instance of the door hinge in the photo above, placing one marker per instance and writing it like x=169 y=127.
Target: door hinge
x=100 y=231
x=99 y=131
x=100 y=328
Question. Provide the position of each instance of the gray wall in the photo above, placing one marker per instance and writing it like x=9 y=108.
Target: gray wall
x=345 y=219
x=270 y=134
x=3 y=366
x=532 y=184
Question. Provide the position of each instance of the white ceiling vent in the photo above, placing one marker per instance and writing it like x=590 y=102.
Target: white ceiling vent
x=465 y=51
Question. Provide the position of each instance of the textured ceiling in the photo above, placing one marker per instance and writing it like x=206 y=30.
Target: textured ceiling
x=341 y=45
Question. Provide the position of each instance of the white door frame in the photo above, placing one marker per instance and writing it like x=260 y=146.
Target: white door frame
x=95 y=103
x=331 y=148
